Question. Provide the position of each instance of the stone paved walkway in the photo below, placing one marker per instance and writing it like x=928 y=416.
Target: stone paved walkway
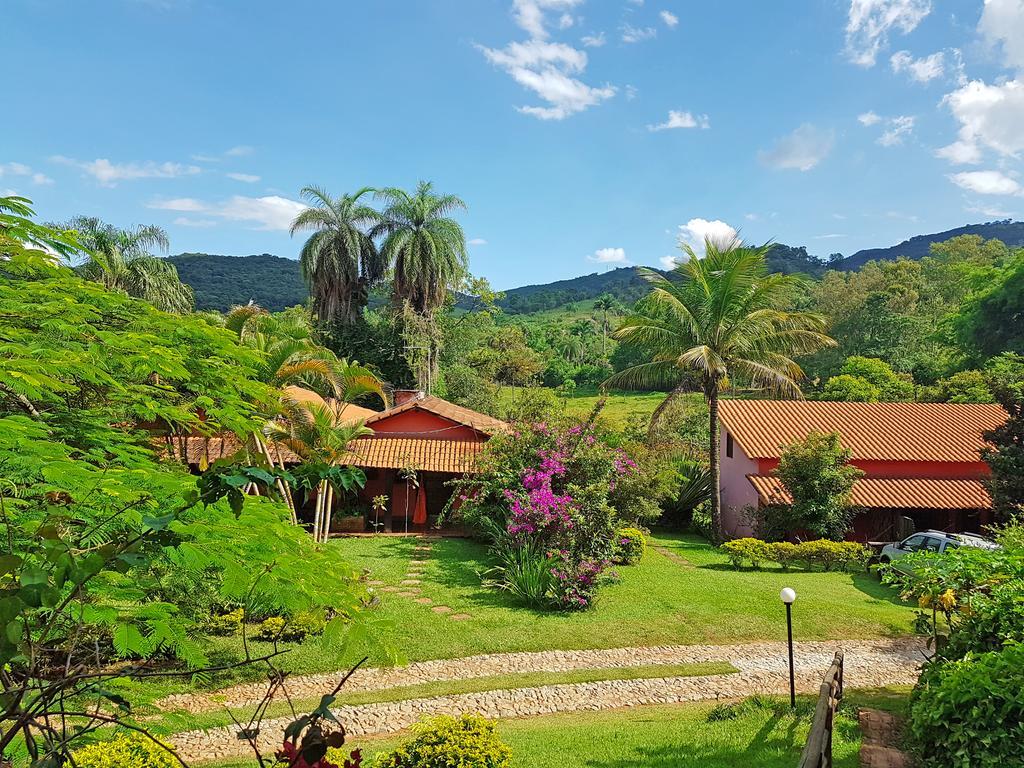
x=762 y=669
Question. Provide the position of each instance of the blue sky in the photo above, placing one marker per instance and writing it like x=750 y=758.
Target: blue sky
x=582 y=134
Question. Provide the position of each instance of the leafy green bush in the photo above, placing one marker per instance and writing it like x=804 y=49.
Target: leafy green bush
x=970 y=713
x=132 y=751
x=629 y=546
x=469 y=741
x=271 y=629
x=828 y=555
x=303 y=624
x=226 y=624
x=753 y=551
x=524 y=570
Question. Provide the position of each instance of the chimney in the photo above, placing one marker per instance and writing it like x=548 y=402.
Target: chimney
x=403 y=396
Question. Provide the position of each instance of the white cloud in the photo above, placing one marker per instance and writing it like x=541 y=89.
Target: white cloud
x=631 y=34
x=898 y=129
x=669 y=262
x=248 y=178
x=987 y=183
x=184 y=221
x=990 y=116
x=804 y=148
x=20 y=169
x=631 y=92
x=695 y=232
x=594 y=41
x=182 y=204
x=960 y=153
x=868 y=118
x=108 y=173
x=240 y=151
x=679 y=119
x=922 y=70
x=545 y=67
x=991 y=211
x=271 y=212
x=609 y=256
x=477 y=241
x=1002 y=24
x=565 y=21
x=670 y=19
x=831 y=236
x=870 y=22
x=751 y=216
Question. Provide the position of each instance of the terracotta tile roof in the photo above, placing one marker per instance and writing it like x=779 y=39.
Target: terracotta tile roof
x=456 y=456
x=892 y=492
x=478 y=421
x=346 y=411
x=879 y=431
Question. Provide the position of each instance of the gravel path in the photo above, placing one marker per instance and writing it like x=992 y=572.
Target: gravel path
x=762 y=669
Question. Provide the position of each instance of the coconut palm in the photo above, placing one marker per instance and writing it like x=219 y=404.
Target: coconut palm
x=604 y=304
x=339 y=261
x=720 y=317
x=426 y=248
x=120 y=260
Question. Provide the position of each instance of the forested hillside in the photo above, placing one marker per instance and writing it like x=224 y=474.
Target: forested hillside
x=1007 y=231
x=221 y=282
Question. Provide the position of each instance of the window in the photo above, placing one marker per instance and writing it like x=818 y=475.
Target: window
x=931 y=544
x=912 y=544
x=728 y=445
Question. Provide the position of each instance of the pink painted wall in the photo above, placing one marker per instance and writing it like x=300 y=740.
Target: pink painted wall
x=737 y=492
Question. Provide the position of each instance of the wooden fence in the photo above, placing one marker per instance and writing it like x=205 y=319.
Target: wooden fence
x=818 y=750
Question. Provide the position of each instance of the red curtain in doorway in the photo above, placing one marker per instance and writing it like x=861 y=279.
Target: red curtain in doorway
x=419 y=515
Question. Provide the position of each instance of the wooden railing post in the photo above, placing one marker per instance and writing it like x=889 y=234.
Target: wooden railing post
x=818 y=750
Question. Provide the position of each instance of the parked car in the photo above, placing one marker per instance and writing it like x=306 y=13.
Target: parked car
x=933 y=541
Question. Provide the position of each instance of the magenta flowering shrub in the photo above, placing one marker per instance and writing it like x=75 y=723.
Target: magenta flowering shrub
x=545 y=487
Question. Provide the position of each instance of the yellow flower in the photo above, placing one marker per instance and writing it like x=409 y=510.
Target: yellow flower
x=947 y=600
x=924 y=601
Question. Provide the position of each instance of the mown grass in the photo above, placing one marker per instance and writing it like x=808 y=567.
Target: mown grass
x=175 y=722
x=762 y=732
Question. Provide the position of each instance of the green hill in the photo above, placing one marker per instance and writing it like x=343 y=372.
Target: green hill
x=221 y=282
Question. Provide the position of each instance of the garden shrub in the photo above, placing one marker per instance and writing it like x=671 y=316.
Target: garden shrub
x=970 y=713
x=226 y=624
x=630 y=545
x=131 y=751
x=469 y=741
x=271 y=629
x=829 y=555
x=753 y=551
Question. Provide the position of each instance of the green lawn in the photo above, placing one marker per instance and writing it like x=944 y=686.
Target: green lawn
x=618 y=409
x=762 y=733
x=659 y=601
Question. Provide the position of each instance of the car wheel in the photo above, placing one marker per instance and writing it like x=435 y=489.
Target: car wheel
x=885 y=559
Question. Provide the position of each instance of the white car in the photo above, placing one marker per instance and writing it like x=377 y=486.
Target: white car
x=933 y=541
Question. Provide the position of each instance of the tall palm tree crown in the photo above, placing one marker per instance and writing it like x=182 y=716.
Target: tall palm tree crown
x=339 y=260
x=426 y=247
x=120 y=260
x=718 y=318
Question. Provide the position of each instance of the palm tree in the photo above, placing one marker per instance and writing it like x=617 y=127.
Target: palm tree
x=426 y=247
x=604 y=304
x=719 y=317
x=120 y=260
x=339 y=261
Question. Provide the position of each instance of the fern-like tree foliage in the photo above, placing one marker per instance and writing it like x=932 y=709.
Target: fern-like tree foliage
x=426 y=247
x=340 y=261
x=718 y=318
x=120 y=260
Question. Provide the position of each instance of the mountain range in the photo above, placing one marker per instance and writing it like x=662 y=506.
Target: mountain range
x=274 y=282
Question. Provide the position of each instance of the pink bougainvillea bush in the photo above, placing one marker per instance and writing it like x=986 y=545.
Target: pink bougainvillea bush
x=544 y=498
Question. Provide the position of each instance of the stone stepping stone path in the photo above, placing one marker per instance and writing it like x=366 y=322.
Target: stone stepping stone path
x=423 y=600
x=441 y=609
x=762 y=670
x=675 y=558
x=459 y=616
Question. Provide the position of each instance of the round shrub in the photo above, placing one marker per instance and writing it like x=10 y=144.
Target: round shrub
x=749 y=550
x=469 y=741
x=629 y=546
x=970 y=713
x=271 y=629
x=226 y=624
x=131 y=751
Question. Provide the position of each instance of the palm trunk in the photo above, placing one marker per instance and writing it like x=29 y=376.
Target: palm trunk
x=282 y=487
x=327 y=512
x=713 y=460
x=321 y=495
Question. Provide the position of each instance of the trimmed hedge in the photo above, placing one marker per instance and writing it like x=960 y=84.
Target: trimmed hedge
x=131 y=751
x=629 y=546
x=469 y=741
x=970 y=713
x=823 y=553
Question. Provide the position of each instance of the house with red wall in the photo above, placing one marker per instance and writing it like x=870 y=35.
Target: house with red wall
x=920 y=460
x=418 y=447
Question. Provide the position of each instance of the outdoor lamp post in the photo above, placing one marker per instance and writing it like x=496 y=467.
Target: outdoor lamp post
x=787 y=596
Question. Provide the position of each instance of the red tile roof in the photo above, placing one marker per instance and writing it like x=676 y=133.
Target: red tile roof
x=470 y=418
x=871 y=431
x=892 y=492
